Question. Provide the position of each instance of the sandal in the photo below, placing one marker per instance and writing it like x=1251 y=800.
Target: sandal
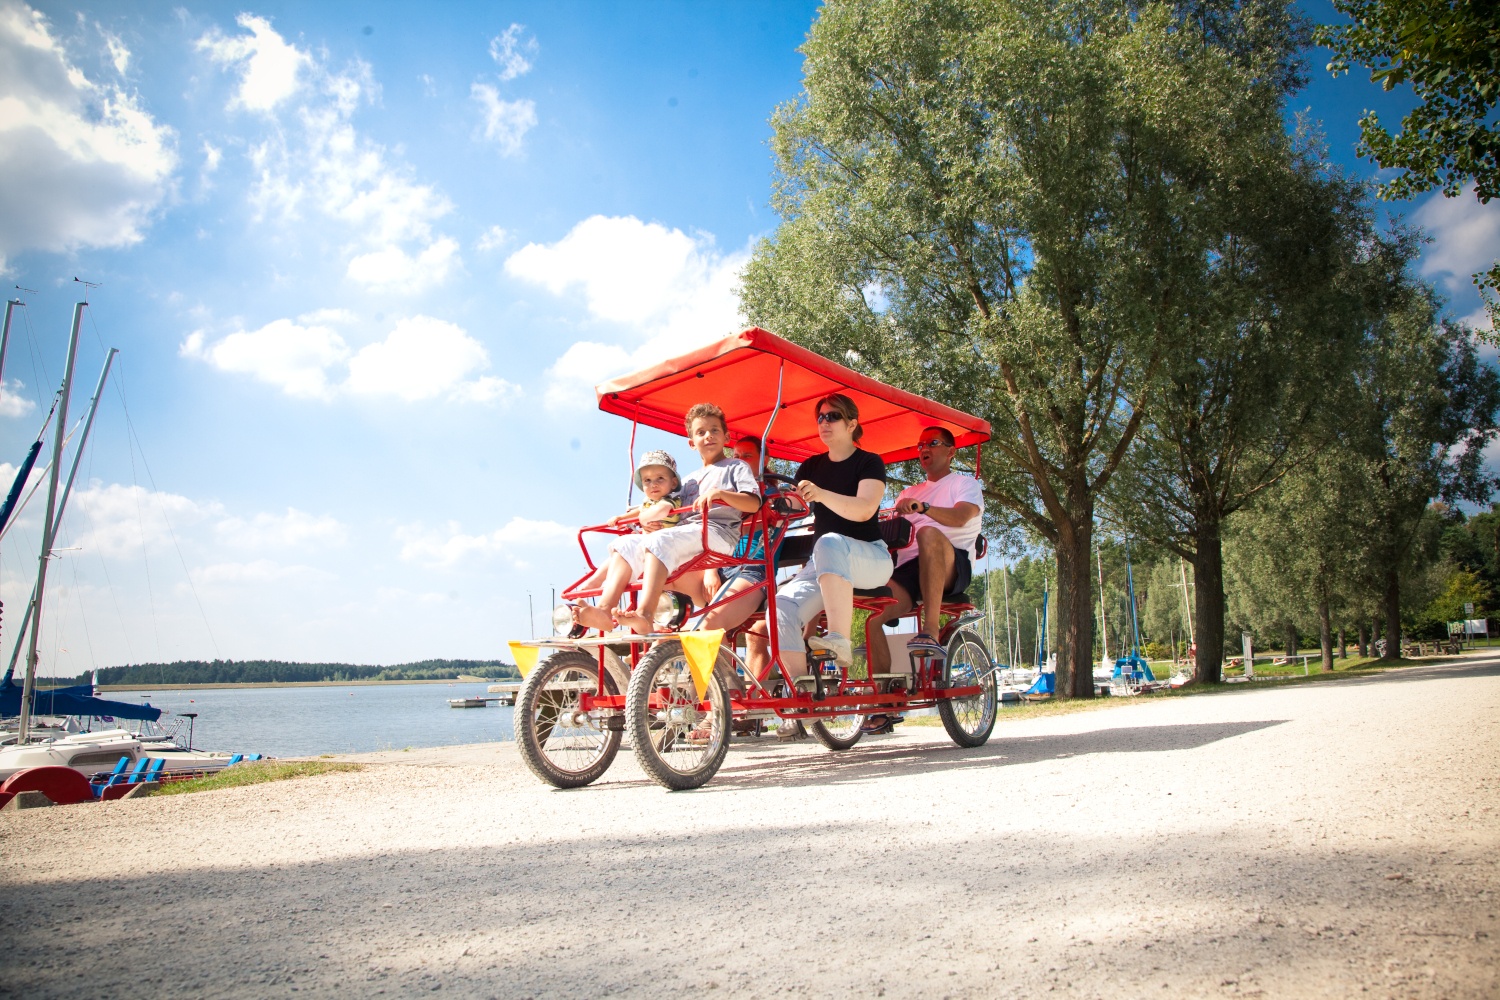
x=926 y=642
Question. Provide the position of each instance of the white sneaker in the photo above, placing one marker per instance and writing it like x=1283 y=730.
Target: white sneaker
x=838 y=645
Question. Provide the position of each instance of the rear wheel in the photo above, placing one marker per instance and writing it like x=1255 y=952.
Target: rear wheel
x=679 y=740
x=970 y=720
x=563 y=745
x=838 y=733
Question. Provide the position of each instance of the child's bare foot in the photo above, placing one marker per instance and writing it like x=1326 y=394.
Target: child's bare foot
x=635 y=621
x=592 y=617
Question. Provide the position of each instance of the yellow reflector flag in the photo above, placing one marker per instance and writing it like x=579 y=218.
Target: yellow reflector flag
x=702 y=651
x=525 y=656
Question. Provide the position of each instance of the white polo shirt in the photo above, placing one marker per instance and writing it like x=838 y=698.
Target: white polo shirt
x=950 y=491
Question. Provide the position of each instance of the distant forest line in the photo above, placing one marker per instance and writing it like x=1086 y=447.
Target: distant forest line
x=280 y=672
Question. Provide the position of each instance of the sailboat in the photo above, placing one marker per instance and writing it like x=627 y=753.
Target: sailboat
x=63 y=707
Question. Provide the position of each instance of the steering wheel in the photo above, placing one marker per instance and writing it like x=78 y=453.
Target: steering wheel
x=775 y=477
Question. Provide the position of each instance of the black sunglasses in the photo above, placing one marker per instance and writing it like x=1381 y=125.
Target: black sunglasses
x=831 y=417
x=934 y=443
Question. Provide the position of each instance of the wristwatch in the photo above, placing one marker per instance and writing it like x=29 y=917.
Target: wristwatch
x=926 y=506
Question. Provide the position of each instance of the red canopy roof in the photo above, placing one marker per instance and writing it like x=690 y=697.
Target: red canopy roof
x=739 y=373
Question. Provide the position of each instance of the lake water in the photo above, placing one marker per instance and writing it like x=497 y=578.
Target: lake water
x=304 y=721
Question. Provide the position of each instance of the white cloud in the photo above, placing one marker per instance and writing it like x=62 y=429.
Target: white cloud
x=492 y=238
x=212 y=157
x=84 y=165
x=118 y=521
x=269 y=68
x=505 y=122
x=392 y=269
x=119 y=55
x=12 y=404
x=292 y=357
x=447 y=546
x=1465 y=237
x=295 y=528
x=328 y=317
x=260 y=571
x=512 y=52
x=421 y=358
x=314 y=160
x=661 y=289
x=572 y=377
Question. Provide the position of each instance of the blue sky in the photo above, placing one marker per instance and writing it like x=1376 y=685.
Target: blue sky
x=363 y=266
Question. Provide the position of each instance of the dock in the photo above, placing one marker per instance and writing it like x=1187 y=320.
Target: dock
x=500 y=694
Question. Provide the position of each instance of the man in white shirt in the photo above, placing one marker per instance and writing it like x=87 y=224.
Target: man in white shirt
x=945 y=510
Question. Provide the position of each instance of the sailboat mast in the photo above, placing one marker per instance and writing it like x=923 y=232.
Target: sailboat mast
x=62 y=505
x=49 y=527
x=10 y=307
x=1103 y=621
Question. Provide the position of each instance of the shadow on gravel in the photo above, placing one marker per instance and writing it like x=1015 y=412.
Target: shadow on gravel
x=866 y=761
x=582 y=915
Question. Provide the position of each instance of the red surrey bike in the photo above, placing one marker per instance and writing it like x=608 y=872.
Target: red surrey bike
x=681 y=693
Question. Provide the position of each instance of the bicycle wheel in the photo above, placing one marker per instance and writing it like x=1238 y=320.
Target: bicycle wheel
x=563 y=745
x=970 y=720
x=838 y=733
x=679 y=740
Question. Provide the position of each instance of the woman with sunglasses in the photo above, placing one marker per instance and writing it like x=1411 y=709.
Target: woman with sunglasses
x=844 y=487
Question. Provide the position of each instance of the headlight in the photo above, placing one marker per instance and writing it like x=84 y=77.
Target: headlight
x=562 y=620
x=671 y=611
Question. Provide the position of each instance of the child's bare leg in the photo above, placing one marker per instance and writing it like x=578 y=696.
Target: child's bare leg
x=616 y=578
x=653 y=580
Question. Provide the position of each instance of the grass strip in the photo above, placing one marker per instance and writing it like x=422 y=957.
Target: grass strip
x=255 y=773
x=1356 y=667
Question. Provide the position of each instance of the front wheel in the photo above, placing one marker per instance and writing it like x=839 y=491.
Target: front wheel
x=679 y=740
x=970 y=720
x=562 y=744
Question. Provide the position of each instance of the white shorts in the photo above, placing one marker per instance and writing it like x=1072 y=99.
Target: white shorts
x=674 y=546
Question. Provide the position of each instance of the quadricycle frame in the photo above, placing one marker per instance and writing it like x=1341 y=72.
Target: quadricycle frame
x=680 y=694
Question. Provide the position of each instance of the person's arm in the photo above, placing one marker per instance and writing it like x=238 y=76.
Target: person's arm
x=861 y=507
x=746 y=503
x=655 y=510
x=956 y=516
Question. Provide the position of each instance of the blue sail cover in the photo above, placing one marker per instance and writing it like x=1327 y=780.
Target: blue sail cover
x=76 y=700
x=20 y=481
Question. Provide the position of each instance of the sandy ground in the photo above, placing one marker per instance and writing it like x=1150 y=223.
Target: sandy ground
x=1324 y=840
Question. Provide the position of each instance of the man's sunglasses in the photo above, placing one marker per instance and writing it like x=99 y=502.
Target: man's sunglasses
x=830 y=417
x=934 y=443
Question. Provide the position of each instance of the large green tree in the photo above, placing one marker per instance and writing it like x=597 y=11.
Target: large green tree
x=1276 y=321
x=1449 y=52
x=998 y=203
x=1420 y=406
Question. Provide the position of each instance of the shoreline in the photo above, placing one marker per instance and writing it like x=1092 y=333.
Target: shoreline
x=293 y=684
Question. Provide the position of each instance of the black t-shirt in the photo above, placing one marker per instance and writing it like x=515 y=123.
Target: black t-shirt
x=843 y=477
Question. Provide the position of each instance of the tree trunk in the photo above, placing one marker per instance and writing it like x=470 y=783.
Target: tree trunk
x=1291 y=640
x=1392 y=614
x=1364 y=640
x=1343 y=646
x=1075 y=613
x=1325 y=630
x=1208 y=601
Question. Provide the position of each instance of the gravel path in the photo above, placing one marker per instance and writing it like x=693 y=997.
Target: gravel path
x=1319 y=840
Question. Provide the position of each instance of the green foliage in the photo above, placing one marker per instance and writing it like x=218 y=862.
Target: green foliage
x=278 y=672
x=1449 y=51
x=1005 y=205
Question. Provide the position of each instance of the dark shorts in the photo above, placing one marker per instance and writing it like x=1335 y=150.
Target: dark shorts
x=908 y=575
x=753 y=574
